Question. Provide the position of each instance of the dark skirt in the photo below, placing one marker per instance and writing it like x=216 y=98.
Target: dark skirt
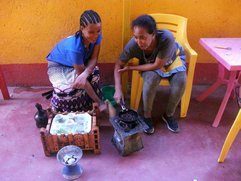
x=64 y=97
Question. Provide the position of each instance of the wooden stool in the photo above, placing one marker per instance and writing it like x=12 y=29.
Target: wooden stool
x=3 y=86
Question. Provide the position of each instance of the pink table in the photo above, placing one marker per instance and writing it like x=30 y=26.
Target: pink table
x=3 y=86
x=227 y=52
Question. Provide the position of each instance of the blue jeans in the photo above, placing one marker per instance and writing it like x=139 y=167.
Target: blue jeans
x=151 y=83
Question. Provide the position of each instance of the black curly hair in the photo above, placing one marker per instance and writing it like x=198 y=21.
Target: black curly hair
x=147 y=22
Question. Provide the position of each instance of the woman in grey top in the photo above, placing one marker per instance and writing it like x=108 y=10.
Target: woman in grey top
x=160 y=57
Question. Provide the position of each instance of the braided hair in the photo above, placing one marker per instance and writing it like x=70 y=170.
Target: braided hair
x=89 y=17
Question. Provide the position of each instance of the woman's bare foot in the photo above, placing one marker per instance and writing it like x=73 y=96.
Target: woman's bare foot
x=100 y=107
x=103 y=106
x=111 y=109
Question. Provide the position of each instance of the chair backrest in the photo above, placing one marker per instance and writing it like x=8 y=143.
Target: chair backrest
x=174 y=23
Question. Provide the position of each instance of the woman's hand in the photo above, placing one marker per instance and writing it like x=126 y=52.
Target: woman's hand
x=80 y=81
x=126 y=68
x=118 y=96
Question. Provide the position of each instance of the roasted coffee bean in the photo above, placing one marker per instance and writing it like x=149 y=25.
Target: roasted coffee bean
x=129 y=116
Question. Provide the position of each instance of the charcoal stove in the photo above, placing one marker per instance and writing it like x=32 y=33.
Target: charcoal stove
x=127 y=138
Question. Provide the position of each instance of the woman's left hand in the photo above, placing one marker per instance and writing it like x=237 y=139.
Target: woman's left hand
x=80 y=81
x=126 y=68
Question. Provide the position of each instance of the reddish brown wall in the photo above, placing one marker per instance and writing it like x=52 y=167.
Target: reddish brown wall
x=36 y=74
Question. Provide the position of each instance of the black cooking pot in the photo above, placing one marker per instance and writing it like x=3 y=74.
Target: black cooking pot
x=127 y=115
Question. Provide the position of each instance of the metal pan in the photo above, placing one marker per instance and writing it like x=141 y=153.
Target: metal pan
x=127 y=115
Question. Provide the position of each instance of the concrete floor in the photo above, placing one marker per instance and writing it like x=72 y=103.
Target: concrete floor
x=186 y=156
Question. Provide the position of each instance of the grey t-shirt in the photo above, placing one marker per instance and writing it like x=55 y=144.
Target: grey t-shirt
x=166 y=49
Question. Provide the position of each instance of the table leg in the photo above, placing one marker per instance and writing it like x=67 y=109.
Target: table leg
x=232 y=78
x=3 y=86
x=220 y=81
x=210 y=90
